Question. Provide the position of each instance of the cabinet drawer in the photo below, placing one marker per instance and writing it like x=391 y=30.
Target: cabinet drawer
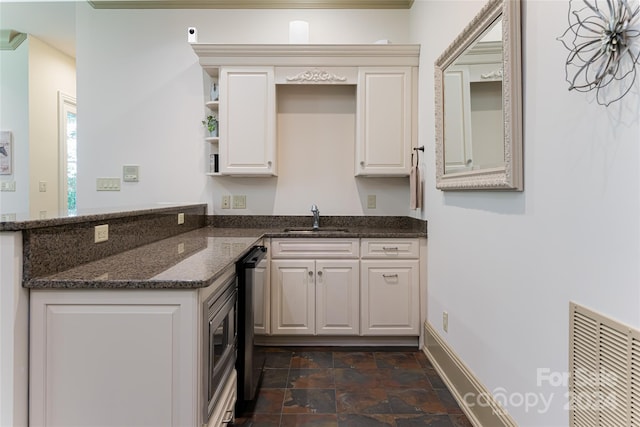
x=314 y=248
x=390 y=248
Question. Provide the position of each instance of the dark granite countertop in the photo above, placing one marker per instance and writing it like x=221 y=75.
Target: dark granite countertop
x=186 y=261
x=26 y=221
x=193 y=259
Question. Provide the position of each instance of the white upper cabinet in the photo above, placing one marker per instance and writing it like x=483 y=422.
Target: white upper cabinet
x=385 y=75
x=384 y=131
x=247 y=121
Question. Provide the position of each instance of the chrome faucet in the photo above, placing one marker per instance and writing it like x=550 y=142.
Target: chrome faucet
x=316 y=217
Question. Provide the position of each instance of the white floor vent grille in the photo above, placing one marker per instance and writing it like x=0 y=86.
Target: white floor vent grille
x=604 y=368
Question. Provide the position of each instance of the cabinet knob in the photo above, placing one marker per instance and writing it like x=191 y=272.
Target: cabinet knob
x=310 y=273
x=390 y=276
x=362 y=163
x=320 y=273
x=269 y=163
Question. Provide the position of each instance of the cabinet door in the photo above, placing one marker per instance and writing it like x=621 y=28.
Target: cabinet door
x=247 y=121
x=337 y=297
x=113 y=358
x=390 y=297
x=384 y=116
x=457 y=120
x=292 y=297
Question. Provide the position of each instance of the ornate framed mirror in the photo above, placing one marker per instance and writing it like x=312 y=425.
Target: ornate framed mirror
x=478 y=95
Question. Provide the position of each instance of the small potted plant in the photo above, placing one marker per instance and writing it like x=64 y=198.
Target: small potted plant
x=212 y=125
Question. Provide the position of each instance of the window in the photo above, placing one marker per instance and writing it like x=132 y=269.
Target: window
x=68 y=153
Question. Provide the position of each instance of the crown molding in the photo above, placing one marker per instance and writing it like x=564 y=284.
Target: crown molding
x=214 y=55
x=11 y=39
x=251 y=4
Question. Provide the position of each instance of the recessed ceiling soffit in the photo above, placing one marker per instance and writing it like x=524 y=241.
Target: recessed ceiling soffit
x=251 y=4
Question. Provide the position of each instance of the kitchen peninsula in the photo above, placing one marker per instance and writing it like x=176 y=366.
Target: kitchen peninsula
x=121 y=329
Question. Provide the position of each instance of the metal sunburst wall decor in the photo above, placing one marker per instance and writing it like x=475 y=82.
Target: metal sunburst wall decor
x=603 y=45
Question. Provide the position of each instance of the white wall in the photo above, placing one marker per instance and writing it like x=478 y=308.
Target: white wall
x=141 y=100
x=14 y=117
x=506 y=265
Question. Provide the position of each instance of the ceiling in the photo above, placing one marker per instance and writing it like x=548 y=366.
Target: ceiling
x=54 y=21
x=251 y=4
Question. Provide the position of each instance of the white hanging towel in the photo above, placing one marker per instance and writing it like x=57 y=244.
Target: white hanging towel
x=415 y=187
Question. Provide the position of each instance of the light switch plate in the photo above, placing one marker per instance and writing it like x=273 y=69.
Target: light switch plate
x=8 y=186
x=180 y=218
x=239 y=202
x=108 y=184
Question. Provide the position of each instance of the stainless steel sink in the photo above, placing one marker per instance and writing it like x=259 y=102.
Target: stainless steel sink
x=316 y=230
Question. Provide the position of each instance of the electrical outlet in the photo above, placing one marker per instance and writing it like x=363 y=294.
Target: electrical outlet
x=180 y=218
x=371 y=201
x=226 y=202
x=180 y=248
x=239 y=202
x=42 y=186
x=445 y=321
x=101 y=233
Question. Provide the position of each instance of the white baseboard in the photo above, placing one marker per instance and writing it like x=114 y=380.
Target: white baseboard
x=463 y=384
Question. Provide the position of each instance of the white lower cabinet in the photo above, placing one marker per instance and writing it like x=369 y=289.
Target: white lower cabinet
x=314 y=297
x=315 y=287
x=345 y=287
x=113 y=358
x=389 y=296
x=390 y=287
x=121 y=357
x=262 y=299
x=292 y=297
x=337 y=297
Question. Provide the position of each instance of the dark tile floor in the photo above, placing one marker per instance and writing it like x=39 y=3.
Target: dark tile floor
x=351 y=387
